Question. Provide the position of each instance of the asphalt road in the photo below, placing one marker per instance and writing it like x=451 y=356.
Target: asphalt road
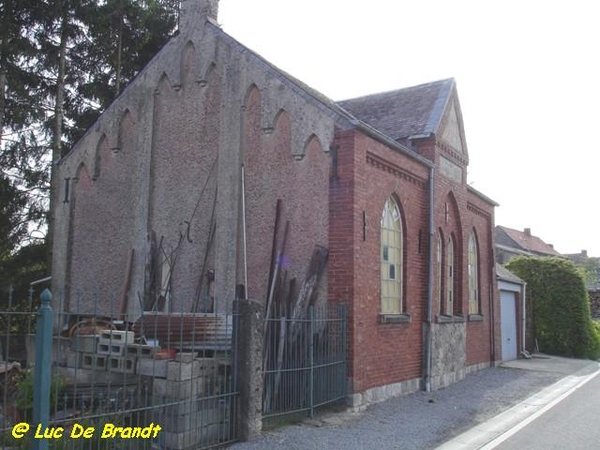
x=570 y=424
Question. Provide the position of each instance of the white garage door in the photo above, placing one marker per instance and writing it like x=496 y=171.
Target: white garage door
x=508 y=317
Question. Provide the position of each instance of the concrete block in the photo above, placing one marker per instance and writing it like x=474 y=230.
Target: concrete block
x=177 y=389
x=88 y=376
x=165 y=406
x=93 y=362
x=185 y=357
x=209 y=367
x=106 y=348
x=188 y=422
x=87 y=344
x=152 y=367
x=183 y=370
x=73 y=359
x=117 y=337
x=172 y=407
x=139 y=350
x=125 y=364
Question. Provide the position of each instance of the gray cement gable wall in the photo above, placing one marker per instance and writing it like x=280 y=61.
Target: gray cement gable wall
x=185 y=111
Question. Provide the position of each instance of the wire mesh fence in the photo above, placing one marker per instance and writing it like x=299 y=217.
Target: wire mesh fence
x=304 y=360
x=161 y=380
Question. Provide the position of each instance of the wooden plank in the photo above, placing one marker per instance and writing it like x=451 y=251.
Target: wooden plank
x=127 y=284
x=308 y=289
x=276 y=273
x=274 y=245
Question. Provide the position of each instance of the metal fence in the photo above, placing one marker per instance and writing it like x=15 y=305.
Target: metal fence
x=162 y=381
x=304 y=361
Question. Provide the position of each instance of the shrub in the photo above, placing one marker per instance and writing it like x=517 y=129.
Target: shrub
x=561 y=308
x=24 y=401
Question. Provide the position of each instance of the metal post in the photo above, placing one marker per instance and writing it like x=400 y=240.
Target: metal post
x=311 y=357
x=43 y=361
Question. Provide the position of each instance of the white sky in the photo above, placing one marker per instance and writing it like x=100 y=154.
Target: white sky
x=528 y=81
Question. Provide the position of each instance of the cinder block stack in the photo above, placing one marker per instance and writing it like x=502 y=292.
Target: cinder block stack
x=187 y=409
x=112 y=351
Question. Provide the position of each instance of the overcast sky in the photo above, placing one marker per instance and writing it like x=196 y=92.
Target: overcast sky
x=528 y=80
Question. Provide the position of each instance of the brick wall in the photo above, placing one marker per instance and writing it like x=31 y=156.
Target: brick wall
x=368 y=174
x=386 y=353
x=483 y=341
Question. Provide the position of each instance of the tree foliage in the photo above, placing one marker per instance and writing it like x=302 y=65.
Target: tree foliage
x=590 y=270
x=561 y=307
x=62 y=62
x=12 y=225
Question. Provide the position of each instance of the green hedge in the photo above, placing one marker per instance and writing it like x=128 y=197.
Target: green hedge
x=561 y=307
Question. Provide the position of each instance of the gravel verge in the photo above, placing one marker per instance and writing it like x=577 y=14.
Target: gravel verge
x=418 y=421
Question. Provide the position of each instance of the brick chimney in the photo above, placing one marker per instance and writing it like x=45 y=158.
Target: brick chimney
x=194 y=13
x=528 y=232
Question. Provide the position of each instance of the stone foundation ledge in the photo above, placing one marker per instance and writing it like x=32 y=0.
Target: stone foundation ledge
x=360 y=401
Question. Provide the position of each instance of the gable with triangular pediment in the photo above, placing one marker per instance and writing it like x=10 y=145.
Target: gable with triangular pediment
x=453 y=133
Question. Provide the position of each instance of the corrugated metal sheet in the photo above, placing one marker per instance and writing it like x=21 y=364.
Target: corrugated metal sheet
x=202 y=330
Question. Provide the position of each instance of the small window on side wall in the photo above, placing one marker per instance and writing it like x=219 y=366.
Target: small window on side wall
x=439 y=272
x=473 y=275
x=449 y=303
x=391 y=259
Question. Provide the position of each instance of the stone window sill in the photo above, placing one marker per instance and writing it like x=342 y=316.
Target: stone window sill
x=394 y=318
x=475 y=318
x=443 y=318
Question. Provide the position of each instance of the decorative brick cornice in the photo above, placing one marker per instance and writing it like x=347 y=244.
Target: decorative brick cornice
x=395 y=170
x=455 y=155
x=478 y=211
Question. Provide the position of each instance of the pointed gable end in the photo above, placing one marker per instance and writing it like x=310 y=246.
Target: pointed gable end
x=451 y=129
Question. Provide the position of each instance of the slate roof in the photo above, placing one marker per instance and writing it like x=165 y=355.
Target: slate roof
x=402 y=113
x=523 y=241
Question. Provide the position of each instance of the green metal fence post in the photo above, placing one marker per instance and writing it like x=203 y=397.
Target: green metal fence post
x=41 y=376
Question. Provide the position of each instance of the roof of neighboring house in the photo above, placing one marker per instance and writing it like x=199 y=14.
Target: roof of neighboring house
x=412 y=111
x=506 y=275
x=524 y=241
x=578 y=258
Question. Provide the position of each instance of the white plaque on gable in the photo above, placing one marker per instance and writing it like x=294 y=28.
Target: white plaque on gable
x=450 y=170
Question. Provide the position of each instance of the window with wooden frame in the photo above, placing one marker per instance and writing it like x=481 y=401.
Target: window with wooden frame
x=391 y=259
x=473 y=275
x=450 y=272
x=439 y=272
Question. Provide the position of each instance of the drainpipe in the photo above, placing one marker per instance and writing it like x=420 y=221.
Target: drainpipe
x=492 y=326
x=524 y=318
x=430 y=281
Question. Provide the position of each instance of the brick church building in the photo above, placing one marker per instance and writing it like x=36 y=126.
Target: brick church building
x=379 y=182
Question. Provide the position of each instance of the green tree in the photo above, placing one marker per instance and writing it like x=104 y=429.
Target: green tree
x=590 y=270
x=62 y=62
x=21 y=109
x=561 y=308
